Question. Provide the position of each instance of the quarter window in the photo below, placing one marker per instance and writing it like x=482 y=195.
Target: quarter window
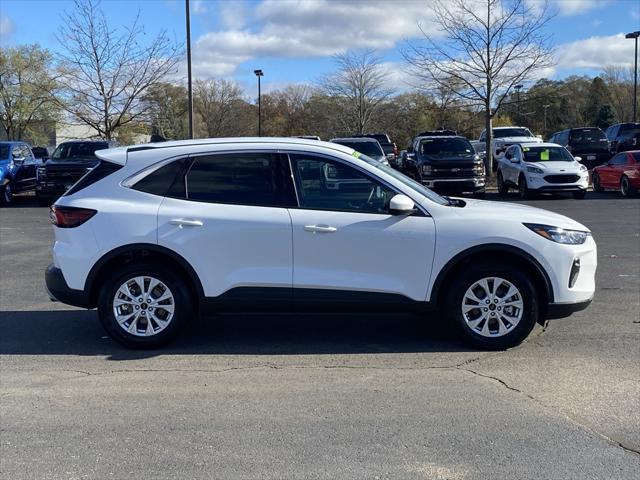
x=324 y=184
x=240 y=178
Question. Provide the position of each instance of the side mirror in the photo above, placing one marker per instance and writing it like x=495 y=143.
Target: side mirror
x=401 y=205
x=18 y=160
x=577 y=159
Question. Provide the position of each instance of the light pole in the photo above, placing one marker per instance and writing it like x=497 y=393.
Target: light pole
x=635 y=36
x=518 y=88
x=189 y=87
x=259 y=74
x=545 y=117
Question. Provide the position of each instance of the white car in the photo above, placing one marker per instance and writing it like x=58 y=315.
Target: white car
x=158 y=232
x=541 y=168
x=504 y=137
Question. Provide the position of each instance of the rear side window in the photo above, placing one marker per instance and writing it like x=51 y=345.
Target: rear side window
x=239 y=179
x=168 y=180
x=102 y=170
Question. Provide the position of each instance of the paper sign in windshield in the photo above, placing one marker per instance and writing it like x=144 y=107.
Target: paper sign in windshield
x=544 y=155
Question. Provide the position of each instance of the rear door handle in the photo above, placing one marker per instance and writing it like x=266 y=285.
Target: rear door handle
x=185 y=222
x=320 y=228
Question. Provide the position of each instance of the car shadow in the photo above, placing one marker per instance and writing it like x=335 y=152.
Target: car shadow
x=514 y=197
x=78 y=332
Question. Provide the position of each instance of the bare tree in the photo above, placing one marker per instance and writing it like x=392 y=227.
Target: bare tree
x=489 y=47
x=27 y=91
x=619 y=79
x=360 y=83
x=215 y=101
x=105 y=71
x=291 y=109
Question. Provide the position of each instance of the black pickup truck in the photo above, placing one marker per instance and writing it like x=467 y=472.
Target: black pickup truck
x=446 y=164
x=70 y=162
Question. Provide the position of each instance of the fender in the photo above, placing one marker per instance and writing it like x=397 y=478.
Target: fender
x=186 y=266
x=490 y=247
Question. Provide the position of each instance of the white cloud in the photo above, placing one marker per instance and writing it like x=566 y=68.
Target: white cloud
x=6 y=27
x=569 y=7
x=198 y=7
x=307 y=29
x=595 y=52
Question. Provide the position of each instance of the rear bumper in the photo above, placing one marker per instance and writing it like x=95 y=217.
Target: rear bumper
x=58 y=289
x=562 y=310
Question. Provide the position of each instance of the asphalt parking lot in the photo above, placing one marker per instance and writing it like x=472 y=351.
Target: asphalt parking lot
x=315 y=397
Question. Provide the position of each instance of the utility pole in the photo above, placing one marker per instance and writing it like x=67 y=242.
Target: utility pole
x=259 y=74
x=545 y=117
x=518 y=88
x=635 y=36
x=189 y=85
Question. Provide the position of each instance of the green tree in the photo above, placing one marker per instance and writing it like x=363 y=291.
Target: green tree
x=27 y=91
x=167 y=110
x=598 y=110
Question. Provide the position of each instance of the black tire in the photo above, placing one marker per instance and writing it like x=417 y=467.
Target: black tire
x=183 y=305
x=596 y=183
x=480 y=194
x=503 y=188
x=6 y=194
x=625 y=187
x=523 y=190
x=579 y=195
x=465 y=279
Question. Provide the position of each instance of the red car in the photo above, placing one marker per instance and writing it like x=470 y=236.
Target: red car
x=622 y=173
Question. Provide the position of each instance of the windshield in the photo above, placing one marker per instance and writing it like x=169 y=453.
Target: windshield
x=418 y=187
x=588 y=135
x=446 y=146
x=4 y=151
x=512 y=132
x=68 y=151
x=630 y=130
x=373 y=149
x=546 y=154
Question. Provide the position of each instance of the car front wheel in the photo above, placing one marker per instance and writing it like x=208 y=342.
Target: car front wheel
x=7 y=194
x=625 y=187
x=492 y=307
x=597 y=187
x=523 y=190
x=144 y=305
x=503 y=189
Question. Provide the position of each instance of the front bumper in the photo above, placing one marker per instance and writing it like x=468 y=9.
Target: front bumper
x=58 y=289
x=539 y=184
x=464 y=184
x=562 y=310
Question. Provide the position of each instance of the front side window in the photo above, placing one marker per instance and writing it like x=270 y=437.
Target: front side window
x=239 y=179
x=324 y=184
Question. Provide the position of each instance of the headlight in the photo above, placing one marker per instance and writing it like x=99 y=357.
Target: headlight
x=478 y=169
x=535 y=170
x=559 y=235
x=583 y=168
x=426 y=169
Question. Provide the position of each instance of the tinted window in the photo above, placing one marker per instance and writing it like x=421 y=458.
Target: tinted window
x=446 y=146
x=512 y=132
x=167 y=180
x=587 y=135
x=73 y=150
x=629 y=130
x=620 y=159
x=40 y=152
x=99 y=172
x=546 y=154
x=324 y=184
x=4 y=151
x=636 y=156
x=373 y=149
x=239 y=178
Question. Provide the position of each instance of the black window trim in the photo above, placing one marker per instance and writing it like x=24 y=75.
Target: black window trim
x=420 y=210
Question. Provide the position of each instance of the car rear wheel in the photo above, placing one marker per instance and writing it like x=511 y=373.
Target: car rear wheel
x=503 y=188
x=625 y=187
x=492 y=307
x=7 y=194
x=144 y=306
x=597 y=187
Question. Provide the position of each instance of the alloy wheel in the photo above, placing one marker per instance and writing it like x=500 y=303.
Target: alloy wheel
x=143 y=306
x=492 y=307
x=624 y=186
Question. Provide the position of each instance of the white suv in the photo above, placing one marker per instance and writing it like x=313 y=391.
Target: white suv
x=541 y=168
x=158 y=232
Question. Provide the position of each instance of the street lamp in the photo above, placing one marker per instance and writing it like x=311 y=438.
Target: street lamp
x=518 y=88
x=635 y=36
x=545 y=117
x=259 y=74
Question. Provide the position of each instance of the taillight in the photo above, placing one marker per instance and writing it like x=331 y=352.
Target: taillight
x=69 y=217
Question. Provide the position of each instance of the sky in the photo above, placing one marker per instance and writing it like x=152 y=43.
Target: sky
x=293 y=41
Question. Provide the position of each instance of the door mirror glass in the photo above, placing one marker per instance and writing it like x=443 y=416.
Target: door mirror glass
x=401 y=205
x=577 y=159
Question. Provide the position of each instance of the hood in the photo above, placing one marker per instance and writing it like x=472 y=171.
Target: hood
x=517 y=140
x=556 y=167
x=521 y=213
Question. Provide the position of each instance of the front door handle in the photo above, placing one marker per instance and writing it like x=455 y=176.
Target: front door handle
x=320 y=228
x=185 y=222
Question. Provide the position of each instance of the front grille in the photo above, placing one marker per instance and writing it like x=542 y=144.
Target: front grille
x=452 y=172
x=66 y=174
x=561 y=178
